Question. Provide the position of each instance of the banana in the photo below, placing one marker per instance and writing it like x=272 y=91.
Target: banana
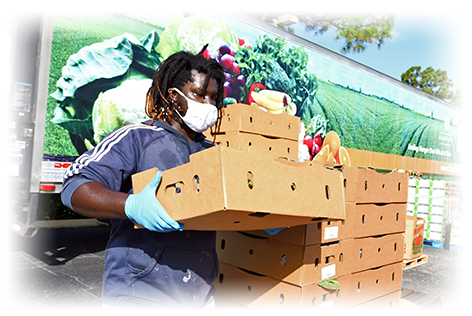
x=266 y=102
x=276 y=112
x=276 y=96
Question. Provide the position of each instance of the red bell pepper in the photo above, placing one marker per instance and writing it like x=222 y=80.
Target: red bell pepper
x=256 y=86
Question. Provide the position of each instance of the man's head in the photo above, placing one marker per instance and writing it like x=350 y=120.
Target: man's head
x=177 y=71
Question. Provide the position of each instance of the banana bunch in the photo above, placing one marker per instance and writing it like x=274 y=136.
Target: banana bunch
x=274 y=101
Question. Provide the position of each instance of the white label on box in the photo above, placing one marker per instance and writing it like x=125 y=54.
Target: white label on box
x=331 y=232
x=328 y=271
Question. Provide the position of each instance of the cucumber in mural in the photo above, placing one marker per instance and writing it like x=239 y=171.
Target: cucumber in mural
x=95 y=65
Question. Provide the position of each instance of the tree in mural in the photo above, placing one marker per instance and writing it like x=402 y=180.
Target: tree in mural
x=357 y=31
x=434 y=82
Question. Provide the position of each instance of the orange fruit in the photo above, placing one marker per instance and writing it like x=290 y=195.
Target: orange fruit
x=322 y=155
x=331 y=158
x=344 y=158
x=332 y=139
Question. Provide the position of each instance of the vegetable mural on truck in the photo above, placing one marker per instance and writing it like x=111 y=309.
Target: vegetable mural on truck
x=99 y=83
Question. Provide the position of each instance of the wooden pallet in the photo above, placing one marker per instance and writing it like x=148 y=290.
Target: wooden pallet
x=411 y=263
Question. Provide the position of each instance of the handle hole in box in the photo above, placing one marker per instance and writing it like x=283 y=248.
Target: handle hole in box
x=329 y=259
x=174 y=188
x=223 y=244
x=283 y=260
x=196 y=183
x=327 y=192
x=250 y=180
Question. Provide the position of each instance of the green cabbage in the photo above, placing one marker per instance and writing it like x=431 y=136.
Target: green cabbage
x=120 y=106
x=97 y=68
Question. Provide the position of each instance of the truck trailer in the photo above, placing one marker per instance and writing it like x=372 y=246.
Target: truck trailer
x=64 y=64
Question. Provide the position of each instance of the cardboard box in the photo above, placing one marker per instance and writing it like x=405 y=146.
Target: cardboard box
x=414 y=236
x=373 y=252
x=252 y=119
x=389 y=301
x=291 y=263
x=244 y=288
x=223 y=188
x=370 y=284
x=305 y=265
x=362 y=220
x=365 y=185
x=236 y=287
x=274 y=147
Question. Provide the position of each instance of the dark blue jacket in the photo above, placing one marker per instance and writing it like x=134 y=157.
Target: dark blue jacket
x=176 y=269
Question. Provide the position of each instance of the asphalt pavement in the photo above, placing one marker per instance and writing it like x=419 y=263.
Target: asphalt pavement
x=63 y=268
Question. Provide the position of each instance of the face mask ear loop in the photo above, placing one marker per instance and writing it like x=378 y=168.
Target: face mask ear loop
x=175 y=109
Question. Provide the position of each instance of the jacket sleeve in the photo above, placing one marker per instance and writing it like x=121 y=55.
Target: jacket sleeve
x=111 y=162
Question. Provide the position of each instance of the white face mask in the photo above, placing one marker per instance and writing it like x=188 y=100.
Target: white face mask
x=199 y=116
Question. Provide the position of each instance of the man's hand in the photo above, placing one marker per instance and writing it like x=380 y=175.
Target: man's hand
x=145 y=209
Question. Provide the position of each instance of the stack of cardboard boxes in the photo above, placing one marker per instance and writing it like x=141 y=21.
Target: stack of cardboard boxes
x=244 y=126
x=342 y=239
x=225 y=188
x=362 y=254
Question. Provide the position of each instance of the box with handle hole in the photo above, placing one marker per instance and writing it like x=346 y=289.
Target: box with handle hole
x=362 y=220
x=305 y=265
x=252 y=119
x=223 y=188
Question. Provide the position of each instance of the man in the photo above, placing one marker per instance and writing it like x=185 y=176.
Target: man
x=162 y=265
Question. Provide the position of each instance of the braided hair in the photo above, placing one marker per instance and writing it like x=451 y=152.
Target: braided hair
x=175 y=72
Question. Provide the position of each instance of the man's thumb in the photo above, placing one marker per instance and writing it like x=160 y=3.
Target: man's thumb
x=156 y=180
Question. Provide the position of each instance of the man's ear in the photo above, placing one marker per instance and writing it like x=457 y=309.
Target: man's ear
x=174 y=95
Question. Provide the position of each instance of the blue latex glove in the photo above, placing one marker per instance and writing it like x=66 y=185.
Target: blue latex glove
x=145 y=209
x=274 y=231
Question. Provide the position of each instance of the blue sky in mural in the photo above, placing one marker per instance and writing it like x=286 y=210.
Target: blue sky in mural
x=418 y=40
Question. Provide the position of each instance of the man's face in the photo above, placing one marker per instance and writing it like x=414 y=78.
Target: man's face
x=194 y=91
